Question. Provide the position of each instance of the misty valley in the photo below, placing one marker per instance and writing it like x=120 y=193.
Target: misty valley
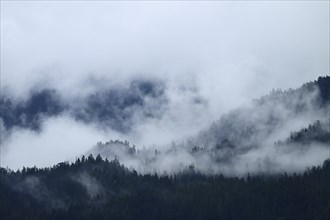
x=268 y=159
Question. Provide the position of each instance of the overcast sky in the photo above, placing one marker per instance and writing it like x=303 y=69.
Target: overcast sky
x=277 y=44
x=230 y=52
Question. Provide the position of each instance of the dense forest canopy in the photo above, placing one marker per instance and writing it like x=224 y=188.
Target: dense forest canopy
x=93 y=188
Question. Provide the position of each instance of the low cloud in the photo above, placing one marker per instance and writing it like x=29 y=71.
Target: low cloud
x=281 y=132
x=205 y=59
x=62 y=138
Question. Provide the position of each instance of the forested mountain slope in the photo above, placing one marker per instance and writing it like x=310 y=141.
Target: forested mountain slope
x=268 y=160
x=96 y=189
x=283 y=131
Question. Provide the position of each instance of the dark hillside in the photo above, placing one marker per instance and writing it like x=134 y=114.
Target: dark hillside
x=96 y=189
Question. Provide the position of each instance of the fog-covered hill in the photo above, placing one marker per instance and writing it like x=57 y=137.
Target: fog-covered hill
x=283 y=131
x=113 y=107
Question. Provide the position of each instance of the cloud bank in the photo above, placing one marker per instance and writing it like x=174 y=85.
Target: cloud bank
x=285 y=131
x=208 y=57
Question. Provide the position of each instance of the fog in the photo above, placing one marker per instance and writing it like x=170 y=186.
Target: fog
x=61 y=139
x=281 y=132
x=211 y=57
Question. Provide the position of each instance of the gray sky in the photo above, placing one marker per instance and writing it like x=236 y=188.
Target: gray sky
x=230 y=51
x=281 y=44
